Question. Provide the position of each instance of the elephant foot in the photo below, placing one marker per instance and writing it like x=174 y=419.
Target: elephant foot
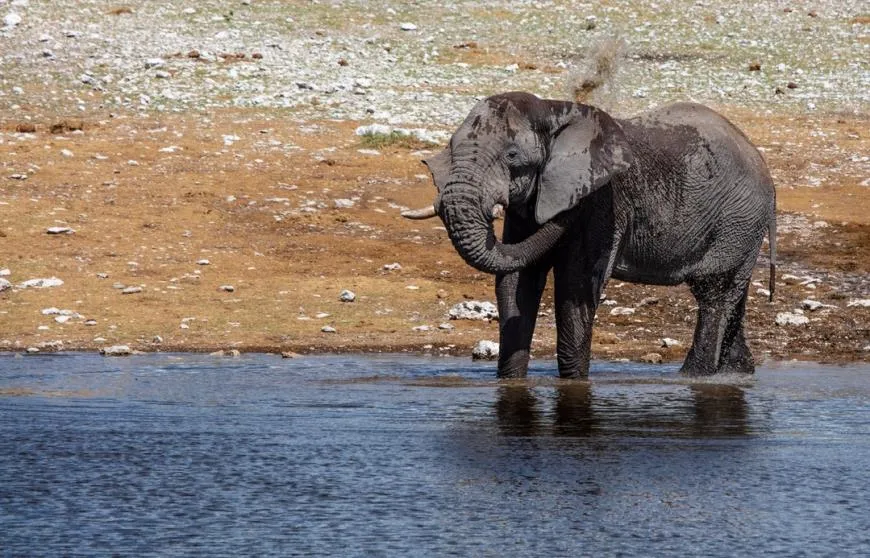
x=574 y=369
x=515 y=365
x=693 y=367
x=737 y=364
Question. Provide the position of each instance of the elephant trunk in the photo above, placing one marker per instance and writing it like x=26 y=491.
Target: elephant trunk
x=469 y=225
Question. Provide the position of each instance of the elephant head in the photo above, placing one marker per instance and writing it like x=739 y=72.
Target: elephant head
x=538 y=157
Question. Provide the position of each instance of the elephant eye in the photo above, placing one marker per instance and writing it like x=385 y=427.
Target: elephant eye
x=512 y=155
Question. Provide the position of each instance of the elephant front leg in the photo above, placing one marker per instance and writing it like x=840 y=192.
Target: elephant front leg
x=576 y=303
x=518 y=295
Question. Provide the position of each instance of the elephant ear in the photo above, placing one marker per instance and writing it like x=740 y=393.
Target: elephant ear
x=586 y=152
x=439 y=166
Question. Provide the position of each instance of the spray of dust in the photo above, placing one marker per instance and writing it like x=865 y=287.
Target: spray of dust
x=591 y=80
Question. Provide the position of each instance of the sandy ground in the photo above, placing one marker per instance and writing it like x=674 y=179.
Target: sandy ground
x=253 y=192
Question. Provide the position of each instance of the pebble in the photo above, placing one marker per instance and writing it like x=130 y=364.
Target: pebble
x=4 y=284
x=859 y=303
x=328 y=329
x=347 y=296
x=343 y=203
x=421 y=328
x=5 y=272
x=289 y=354
x=227 y=288
x=131 y=290
x=11 y=19
x=59 y=230
x=485 y=350
x=202 y=262
x=791 y=319
x=813 y=305
x=621 y=311
x=667 y=343
x=116 y=350
x=406 y=26
x=41 y=283
x=446 y=326
x=154 y=62
x=473 y=310
x=392 y=267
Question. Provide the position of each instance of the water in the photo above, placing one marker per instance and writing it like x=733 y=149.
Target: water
x=394 y=456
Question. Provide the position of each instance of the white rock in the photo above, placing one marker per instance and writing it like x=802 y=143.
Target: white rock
x=5 y=272
x=347 y=296
x=202 y=262
x=154 y=62
x=813 y=305
x=473 y=310
x=62 y=319
x=485 y=350
x=421 y=328
x=59 y=230
x=227 y=288
x=41 y=283
x=609 y=302
x=66 y=153
x=446 y=326
x=859 y=302
x=667 y=342
x=406 y=26
x=11 y=19
x=52 y=311
x=621 y=311
x=343 y=203
x=763 y=292
x=393 y=267
x=328 y=329
x=116 y=350
x=791 y=319
x=131 y=290
x=4 y=284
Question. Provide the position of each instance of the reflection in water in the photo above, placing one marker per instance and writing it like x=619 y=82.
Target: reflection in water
x=720 y=410
x=517 y=410
x=702 y=411
x=573 y=410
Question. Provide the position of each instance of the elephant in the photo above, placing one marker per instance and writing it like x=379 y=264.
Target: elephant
x=674 y=195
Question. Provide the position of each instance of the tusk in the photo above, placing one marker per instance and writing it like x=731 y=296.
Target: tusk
x=422 y=213
x=498 y=211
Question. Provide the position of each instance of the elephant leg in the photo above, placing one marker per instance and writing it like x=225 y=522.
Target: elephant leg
x=718 y=344
x=579 y=282
x=518 y=295
x=736 y=358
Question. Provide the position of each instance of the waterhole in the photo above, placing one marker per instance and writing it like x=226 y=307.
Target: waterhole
x=398 y=456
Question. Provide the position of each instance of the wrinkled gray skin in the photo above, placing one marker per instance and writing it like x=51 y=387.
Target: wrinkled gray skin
x=675 y=195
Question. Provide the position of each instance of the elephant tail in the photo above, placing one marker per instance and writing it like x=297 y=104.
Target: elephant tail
x=771 y=242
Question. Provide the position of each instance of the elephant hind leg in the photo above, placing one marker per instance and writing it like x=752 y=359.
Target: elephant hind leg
x=735 y=357
x=719 y=344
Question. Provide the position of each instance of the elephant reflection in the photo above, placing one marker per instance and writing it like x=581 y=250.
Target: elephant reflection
x=707 y=411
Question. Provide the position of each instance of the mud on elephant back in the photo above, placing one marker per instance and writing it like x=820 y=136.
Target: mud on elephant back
x=674 y=195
